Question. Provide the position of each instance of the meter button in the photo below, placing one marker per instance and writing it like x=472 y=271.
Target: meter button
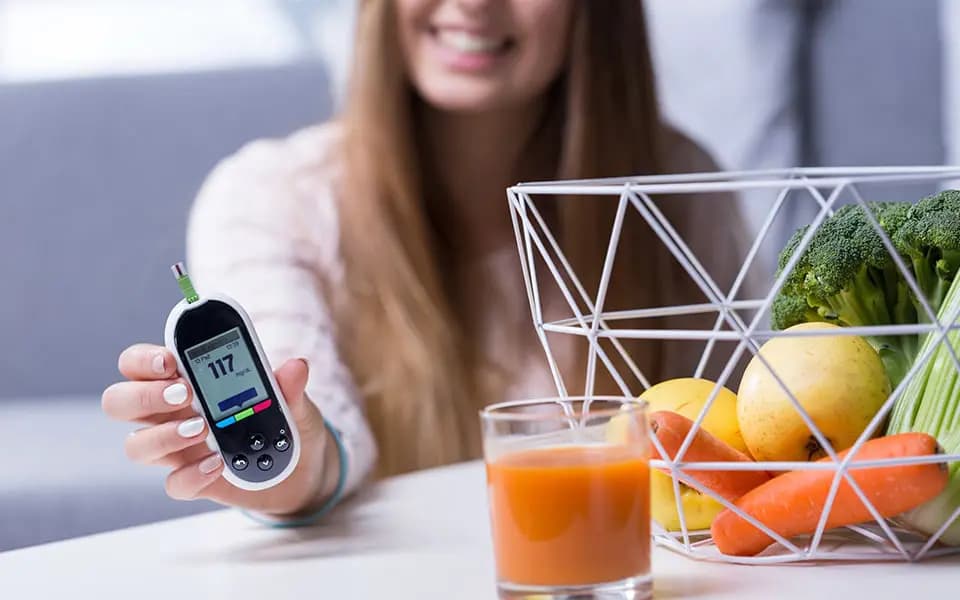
x=243 y=414
x=240 y=462
x=281 y=443
x=265 y=462
x=256 y=442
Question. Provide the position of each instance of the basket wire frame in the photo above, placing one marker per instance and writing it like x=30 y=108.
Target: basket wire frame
x=880 y=540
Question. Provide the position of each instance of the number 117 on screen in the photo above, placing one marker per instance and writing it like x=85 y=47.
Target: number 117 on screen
x=221 y=366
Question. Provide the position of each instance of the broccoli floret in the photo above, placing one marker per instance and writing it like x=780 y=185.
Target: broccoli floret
x=891 y=215
x=930 y=239
x=789 y=310
x=789 y=250
x=846 y=276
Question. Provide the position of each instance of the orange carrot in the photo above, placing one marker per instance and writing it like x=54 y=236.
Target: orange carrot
x=672 y=428
x=791 y=504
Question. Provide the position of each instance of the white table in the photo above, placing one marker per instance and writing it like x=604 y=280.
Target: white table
x=421 y=536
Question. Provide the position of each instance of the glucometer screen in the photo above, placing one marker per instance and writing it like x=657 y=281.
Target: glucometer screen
x=226 y=375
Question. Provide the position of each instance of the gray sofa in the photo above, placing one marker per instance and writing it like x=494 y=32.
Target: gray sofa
x=96 y=177
x=96 y=180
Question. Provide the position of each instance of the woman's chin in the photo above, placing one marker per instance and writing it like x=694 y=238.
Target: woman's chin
x=467 y=97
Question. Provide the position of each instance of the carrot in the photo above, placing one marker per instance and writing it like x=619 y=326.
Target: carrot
x=672 y=428
x=791 y=504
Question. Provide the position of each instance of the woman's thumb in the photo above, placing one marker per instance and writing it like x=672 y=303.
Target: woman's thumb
x=292 y=377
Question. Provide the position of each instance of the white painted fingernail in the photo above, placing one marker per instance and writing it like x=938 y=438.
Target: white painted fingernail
x=175 y=394
x=190 y=427
x=158 y=366
x=210 y=464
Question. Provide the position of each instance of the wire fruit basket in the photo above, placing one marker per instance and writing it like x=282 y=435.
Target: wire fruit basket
x=740 y=322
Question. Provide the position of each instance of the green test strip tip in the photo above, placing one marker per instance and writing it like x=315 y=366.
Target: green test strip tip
x=183 y=280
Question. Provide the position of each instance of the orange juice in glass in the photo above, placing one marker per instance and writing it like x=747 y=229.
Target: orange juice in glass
x=569 y=494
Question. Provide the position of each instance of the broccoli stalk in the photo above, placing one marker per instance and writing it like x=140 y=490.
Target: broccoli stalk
x=846 y=276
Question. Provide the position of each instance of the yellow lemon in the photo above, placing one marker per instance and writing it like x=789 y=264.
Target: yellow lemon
x=687 y=397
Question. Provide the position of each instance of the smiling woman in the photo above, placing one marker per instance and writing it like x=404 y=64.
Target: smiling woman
x=378 y=247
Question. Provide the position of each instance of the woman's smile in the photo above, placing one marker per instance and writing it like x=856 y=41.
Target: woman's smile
x=466 y=50
x=481 y=56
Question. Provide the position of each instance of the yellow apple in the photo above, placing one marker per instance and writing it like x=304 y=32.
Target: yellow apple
x=839 y=380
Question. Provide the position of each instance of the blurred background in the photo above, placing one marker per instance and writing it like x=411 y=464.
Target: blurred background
x=113 y=111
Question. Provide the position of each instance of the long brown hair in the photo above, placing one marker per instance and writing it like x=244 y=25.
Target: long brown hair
x=400 y=330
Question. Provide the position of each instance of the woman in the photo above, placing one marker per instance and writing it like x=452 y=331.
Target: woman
x=379 y=249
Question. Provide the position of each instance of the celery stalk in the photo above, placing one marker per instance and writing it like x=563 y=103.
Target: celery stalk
x=931 y=515
x=931 y=404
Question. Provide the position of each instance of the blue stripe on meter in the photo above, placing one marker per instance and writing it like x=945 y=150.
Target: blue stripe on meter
x=237 y=399
x=228 y=421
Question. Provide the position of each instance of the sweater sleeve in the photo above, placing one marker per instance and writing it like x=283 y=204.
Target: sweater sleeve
x=263 y=230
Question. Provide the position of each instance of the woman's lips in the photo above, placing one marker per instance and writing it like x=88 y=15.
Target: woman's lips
x=464 y=50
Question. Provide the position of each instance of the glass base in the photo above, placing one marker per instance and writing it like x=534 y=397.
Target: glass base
x=632 y=588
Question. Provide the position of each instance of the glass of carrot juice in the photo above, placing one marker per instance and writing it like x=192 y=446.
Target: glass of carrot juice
x=568 y=482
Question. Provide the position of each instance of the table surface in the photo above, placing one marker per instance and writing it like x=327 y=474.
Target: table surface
x=421 y=536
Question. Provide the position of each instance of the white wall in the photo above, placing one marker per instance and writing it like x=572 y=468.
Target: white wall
x=57 y=39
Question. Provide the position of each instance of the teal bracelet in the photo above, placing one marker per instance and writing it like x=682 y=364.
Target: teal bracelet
x=331 y=502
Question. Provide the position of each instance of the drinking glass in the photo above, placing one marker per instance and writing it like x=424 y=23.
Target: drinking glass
x=568 y=483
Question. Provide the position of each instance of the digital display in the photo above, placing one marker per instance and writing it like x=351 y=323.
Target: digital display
x=226 y=374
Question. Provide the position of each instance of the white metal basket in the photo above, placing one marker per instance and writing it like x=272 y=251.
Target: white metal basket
x=821 y=188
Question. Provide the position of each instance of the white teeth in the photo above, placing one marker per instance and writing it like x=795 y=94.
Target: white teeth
x=463 y=41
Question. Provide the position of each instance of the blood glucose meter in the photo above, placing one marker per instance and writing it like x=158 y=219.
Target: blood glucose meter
x=219 y=354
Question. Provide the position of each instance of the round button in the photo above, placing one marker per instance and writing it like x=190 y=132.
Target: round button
x=281 y=443
x=240 y=462
x=265 y=462
x=256 y=442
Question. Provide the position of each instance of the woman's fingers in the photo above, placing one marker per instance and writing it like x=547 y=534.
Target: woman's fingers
x=150 y=444
x=138 y=400
x=201 y=477
x=145 y=362
x=175 y=436
x=175 y=460
x=189 y=481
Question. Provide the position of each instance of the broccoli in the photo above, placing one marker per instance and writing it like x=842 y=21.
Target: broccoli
x=929 y=239
x=789 y=310
x=846 y=276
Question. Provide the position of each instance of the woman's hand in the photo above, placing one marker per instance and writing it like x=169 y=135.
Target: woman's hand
x=174 y=436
